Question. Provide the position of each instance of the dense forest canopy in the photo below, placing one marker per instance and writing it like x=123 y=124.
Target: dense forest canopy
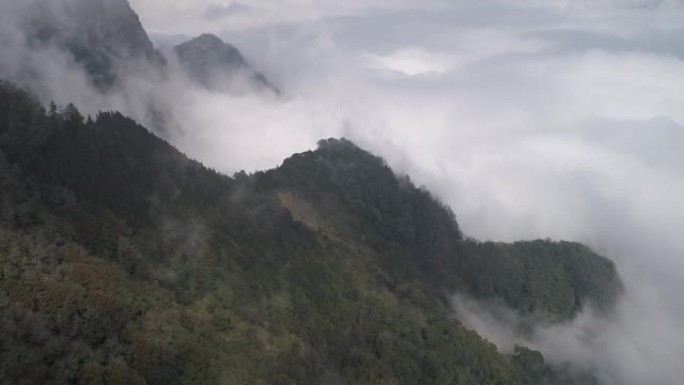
x=122 y=261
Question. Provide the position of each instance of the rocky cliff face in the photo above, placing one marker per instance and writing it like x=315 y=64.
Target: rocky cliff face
x=124 y=262
x=104 y=36
x=107 y=39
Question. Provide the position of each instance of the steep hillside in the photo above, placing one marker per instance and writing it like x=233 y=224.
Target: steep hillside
x=122 y=261
x=104 y=36
x=418 y=237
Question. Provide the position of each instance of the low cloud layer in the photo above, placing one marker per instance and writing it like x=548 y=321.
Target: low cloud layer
x=532 y=119
x=639 y=344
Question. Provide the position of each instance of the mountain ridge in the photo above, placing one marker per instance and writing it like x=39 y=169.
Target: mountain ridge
x=106 y=37
x=127 y=262
x=418 y=228
x=218 y=65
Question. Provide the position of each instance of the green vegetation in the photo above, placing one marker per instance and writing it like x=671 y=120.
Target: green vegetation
x=124 y=262
x=419 y=238
x=556 y=279
x=417 y=235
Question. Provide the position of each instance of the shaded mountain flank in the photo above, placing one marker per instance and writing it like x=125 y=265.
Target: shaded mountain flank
x=105 y=37
x=219 y=66
x=124 y=262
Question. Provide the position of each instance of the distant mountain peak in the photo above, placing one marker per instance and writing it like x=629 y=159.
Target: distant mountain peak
x=216 y=64
x=208 y=52
x=104 y=36
x=210 y=38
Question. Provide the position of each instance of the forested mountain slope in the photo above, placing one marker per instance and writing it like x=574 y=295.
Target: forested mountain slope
x=105 y=38
x=122 y=261
x=418 y=237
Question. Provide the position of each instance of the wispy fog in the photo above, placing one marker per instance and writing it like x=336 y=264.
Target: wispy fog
x=532 y=119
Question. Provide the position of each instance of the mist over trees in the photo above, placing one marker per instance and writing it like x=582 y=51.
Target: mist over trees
x=126 y=262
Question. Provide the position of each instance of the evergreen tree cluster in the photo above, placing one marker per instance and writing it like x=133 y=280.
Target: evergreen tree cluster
x=124 y=262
